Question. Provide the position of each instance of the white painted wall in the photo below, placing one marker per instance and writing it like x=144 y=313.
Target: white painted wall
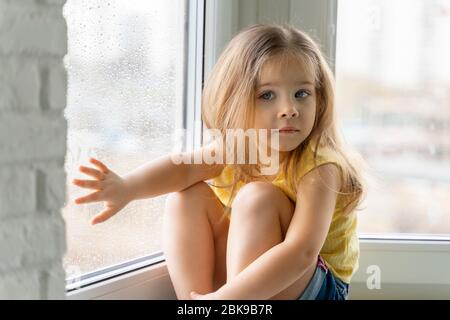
x=33 y=42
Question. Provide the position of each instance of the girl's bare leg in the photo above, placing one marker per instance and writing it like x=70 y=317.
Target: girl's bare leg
x=261 y=214
x=195 y=240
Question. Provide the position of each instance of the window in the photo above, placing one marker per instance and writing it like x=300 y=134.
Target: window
x=393 y=92
x=126 y=69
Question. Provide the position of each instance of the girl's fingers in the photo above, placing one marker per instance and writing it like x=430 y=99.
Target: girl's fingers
x=90 y=184
x=93 y=197
x=92 y=172
x=103 y=216
x=99 y=165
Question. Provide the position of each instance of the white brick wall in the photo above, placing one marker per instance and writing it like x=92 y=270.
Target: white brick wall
x=33 y=42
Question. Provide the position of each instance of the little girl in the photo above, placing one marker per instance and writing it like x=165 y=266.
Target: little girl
x=243 y=235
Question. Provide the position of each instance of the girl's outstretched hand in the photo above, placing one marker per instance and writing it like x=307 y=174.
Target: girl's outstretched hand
x=109 y=187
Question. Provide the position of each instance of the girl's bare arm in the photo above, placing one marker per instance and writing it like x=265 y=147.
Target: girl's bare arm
x=155 y=178
x=162 y=176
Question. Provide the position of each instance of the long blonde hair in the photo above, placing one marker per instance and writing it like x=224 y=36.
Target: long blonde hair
x=228 y=102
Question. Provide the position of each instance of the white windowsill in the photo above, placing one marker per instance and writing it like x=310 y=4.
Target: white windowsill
x=409 y=270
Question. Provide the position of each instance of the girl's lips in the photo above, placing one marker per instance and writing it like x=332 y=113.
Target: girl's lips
x=288 y=129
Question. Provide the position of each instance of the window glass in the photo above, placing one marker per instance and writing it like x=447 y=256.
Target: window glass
x=124 y=64
x=393 y=93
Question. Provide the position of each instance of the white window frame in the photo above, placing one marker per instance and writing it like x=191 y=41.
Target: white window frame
x=411 y=268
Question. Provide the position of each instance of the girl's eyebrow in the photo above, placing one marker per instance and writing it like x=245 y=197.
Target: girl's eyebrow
x=276 y=83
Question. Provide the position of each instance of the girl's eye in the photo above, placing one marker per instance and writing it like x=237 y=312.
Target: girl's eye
x=305 y=93
x=264 y=96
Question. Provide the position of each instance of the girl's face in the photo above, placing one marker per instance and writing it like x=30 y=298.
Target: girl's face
x=285 y=96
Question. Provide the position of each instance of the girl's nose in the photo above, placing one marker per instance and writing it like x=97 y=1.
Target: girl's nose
x=288 y=113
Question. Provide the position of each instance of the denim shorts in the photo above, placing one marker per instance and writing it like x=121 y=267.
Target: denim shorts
x=324 y=285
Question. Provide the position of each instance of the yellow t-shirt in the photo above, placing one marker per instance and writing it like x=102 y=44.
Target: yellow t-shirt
x=341 y=248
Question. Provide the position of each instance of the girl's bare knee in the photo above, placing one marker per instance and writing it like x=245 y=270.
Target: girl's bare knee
x=196 y=199
x=257 y=198
x=191 y=194
x=257 y=195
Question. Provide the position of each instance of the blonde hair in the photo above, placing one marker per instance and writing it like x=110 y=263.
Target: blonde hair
x=228 y=102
